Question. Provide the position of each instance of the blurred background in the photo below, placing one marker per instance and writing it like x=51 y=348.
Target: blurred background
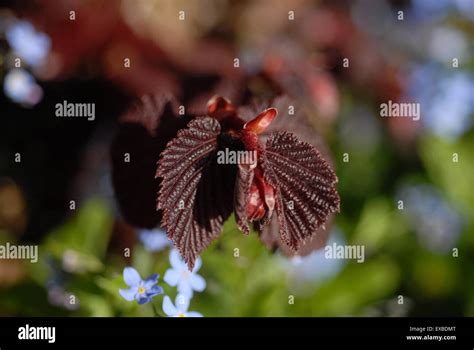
x=338 y=59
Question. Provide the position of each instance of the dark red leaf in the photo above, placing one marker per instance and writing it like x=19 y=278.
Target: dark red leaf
x=143 y=133
x=299 y=125
x=304 y=184
x=196 y=192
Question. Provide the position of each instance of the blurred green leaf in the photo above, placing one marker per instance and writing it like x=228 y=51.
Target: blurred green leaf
x=455 y=178
x=82 y=241
x=375 y=227
x=356 y=286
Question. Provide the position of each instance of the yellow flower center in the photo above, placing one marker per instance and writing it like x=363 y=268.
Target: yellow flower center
x=141 y=290
x=185 y=274
x=181 y=315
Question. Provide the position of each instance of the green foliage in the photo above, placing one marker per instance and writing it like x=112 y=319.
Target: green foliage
x=86 y=235
x=450 y=165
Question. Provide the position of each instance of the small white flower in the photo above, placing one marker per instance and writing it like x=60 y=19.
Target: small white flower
x=180 y=309
x=179 y=275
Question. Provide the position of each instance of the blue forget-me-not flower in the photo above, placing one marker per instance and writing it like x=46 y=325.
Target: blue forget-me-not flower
x=140 y=290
